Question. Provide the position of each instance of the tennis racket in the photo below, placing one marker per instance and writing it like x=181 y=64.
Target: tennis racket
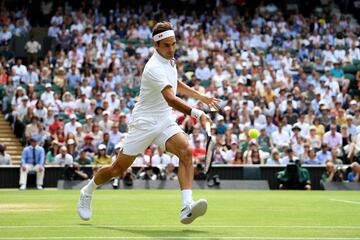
x=210 y=147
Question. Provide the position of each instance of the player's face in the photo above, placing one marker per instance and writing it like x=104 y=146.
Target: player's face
x=166 y=47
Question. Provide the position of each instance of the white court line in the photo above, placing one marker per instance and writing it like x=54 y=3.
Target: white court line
x=179 y=237
x=344 y=201
x=181 y=226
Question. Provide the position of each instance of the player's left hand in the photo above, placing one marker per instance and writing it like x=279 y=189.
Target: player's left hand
x=212 y=102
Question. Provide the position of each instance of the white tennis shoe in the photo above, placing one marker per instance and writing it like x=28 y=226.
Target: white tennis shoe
x=192 y=211
x=84 y=206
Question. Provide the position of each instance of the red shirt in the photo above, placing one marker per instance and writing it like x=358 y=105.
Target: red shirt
x=54 y=126
x=199 y=152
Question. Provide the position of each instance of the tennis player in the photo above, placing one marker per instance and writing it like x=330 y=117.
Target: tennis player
x=152 y=123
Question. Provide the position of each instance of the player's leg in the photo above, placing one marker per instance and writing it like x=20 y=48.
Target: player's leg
x=178 y=144
x=137 y=141
x=122 y=163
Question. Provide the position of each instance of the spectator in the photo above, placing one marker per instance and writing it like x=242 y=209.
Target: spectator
x=289 y=157
x=160 y=158
x=5 y=158
x=109 y=145
x=198 y=152
x=32 y=48
x=63 y=158
x=332 y=174
x=53 y=151
x=102 y=158
x=354 y=175
x=324 y=154
x=332 y=138
x=71 y=126
x=32 y=159
x=275 y=158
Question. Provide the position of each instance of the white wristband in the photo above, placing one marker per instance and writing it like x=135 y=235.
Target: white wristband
x=196 y=113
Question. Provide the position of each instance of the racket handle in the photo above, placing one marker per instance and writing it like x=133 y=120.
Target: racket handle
x=208 y=128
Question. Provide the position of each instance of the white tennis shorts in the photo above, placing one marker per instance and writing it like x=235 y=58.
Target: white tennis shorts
x=144 y=131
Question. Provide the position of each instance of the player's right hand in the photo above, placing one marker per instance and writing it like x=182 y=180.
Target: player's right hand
x=204 y=119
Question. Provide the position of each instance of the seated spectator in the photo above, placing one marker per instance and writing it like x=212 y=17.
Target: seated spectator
x=332 y=174
x=33 y=128
x=311 y=158
x=109 y=145
x=71 y=148
x=83 y=159
x=147 y=173
x=289 y=157
x=354 y=175
x=333 y=138
x=55 y=124
x=88 y=146
x=314 y=139
x=32 y=159
x=102 y=158
x=160 y=158
x=71 y=126
x=63 y=158
x=5 y=158
x=169 y=173
x=334 y=157
x=238 y=158
x=275 y=158
x=53 y=151
x=198 y=152
x=324 y=154
x=353 y=149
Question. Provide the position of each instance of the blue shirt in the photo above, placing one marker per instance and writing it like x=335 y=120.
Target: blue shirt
x=351 y=176
x=322 y=157
x=27 y=156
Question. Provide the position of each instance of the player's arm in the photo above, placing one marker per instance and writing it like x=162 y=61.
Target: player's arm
x=183 y=107
x=188 y=91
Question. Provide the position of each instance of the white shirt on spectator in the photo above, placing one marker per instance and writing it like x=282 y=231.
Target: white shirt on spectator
x=162 y=160
x=203 y=73
x=71 y=128
x=280 y=138
x=30 y=77
x=82 y=106
x=63 y=160
x=20 y=70
x=48 y=98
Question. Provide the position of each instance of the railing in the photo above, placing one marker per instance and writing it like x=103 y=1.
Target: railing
x=9 y=175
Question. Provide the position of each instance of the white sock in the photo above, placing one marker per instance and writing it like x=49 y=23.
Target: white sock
x=186 y=197
x=90 y=187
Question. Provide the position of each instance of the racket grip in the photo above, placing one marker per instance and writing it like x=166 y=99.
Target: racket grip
x=208 y=128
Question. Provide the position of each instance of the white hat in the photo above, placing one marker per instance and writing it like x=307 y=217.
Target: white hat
x=89 y=117
x=101 y=147
x=227 y=108
x=48 y=85
x=105 y=113
x=70 y=141
x=25 y=98
x=220 y=118
x=118 y=145
x=72 y=116
x=353 y=102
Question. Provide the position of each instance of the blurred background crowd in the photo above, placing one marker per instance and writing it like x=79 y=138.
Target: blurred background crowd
x=293 y=74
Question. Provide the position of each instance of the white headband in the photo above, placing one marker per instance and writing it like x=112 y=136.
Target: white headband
x=162 y=35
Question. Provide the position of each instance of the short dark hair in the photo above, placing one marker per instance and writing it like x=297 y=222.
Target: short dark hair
x=161 y=27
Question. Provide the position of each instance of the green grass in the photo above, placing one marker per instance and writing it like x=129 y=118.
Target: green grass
x=152 y=214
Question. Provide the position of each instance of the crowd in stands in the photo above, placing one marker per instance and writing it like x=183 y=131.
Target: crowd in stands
x=296 y=79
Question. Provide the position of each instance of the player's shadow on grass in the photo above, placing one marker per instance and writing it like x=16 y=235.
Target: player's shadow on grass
x=156 y=233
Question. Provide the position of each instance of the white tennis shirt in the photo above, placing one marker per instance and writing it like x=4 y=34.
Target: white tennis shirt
x=158 y=73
